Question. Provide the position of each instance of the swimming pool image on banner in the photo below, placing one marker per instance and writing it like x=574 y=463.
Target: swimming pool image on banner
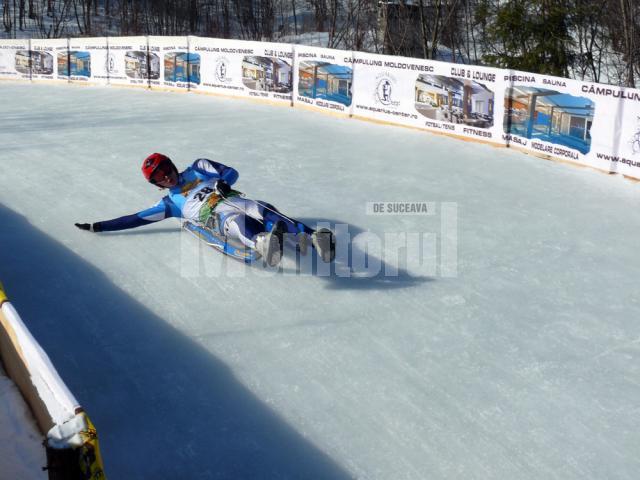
x=267 y=74
x=177 y=67
x=182 y=67
x=88 y=61
x=454 y=100
x=325 y=81
x=74 y=63
x=548 y=115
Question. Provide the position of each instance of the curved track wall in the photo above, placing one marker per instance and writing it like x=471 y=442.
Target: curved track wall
x=580 y=122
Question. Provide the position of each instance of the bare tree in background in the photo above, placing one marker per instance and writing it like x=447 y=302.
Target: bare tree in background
x=595 y=40
x=591 y=38
x=627 y=12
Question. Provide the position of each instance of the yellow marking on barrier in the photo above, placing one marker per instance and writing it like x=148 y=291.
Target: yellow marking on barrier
x=4 y=323
x=90 y=458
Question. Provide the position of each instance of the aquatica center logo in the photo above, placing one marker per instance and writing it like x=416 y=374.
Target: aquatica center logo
x=222 y=70
x=635 y=139
x=385 y=90
x=111 y=63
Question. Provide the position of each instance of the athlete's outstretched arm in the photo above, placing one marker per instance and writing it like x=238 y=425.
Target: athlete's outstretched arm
x=163 y=209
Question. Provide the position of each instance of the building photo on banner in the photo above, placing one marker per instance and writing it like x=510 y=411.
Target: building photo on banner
x=245 y=69
x=323 y=79
x=131 y=63
x=437 y=96
x=177 y=67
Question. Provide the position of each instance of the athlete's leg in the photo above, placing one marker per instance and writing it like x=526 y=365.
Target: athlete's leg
x=271 y=215
x=233 y=221
x=243 y=228
x=264 y=212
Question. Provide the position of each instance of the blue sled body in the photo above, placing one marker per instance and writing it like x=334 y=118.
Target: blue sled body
x=220 y=243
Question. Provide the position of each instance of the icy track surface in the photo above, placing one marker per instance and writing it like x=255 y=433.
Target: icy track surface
x=524 y=365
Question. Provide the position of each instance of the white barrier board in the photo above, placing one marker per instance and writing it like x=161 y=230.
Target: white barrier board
x=57 y=397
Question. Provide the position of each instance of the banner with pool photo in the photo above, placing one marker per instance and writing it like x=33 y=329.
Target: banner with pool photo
x=323 y=79
x=552 y=116
x=256 y=70
x=88 y=61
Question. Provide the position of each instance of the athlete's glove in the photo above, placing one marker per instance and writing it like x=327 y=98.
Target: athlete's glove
x=91 y=227
x=223 y=188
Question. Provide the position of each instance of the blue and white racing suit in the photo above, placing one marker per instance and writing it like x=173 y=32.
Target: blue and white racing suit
x=195 y=198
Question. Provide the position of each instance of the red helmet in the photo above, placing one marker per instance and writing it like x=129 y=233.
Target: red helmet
x=155 y=162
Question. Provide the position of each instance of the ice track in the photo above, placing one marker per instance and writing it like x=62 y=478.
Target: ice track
x=524 y=365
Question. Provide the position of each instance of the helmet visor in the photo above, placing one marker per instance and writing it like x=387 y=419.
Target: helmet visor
x=162 y=171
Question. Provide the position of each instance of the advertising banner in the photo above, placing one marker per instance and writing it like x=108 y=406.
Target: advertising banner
x=554 y=117
x=580 y=122
x=131 y=63
x=323 y=79
x=15 y=60
x=455 y=99
x=246 y=69
x=178 y=67
x=47 y=57
x=87 y=62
